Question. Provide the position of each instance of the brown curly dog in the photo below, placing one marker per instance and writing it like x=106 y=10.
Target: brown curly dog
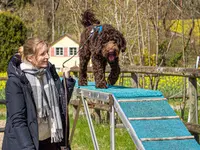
x=101 y=43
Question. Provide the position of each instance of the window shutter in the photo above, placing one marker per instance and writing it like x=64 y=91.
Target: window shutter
x=52 y=53
x=65 y=51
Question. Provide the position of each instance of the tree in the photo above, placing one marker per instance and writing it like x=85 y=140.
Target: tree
x=12 y=35
x=12 y=5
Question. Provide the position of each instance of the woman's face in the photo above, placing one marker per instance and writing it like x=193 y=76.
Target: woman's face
x=40 y=59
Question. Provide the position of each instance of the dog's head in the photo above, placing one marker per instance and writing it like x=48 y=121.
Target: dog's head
x=110 y=51
x=110 y=42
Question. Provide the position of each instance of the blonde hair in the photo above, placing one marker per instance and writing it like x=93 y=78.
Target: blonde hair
x=30 y=47
x=20 y=51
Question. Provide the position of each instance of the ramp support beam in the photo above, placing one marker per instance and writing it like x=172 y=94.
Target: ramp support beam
x=89 y=119
x=112 y=128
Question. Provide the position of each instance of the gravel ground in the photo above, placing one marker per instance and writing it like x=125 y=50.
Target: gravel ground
x=2 y=125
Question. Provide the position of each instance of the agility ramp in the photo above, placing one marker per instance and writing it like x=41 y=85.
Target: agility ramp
x=146 y=114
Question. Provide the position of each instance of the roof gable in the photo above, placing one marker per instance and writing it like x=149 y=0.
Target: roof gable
x=65 y=39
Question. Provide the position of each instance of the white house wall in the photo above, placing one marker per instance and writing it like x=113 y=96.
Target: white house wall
x=58 y=62
x=65 y=42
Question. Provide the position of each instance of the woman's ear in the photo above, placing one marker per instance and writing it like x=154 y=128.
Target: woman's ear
x=30 y=58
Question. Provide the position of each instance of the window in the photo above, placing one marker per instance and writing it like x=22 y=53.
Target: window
x=59 y=51
x=72 y=51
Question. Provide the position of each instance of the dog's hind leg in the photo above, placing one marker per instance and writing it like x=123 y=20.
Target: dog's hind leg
x=99 y=65
x=84 y=59
x=114 y=74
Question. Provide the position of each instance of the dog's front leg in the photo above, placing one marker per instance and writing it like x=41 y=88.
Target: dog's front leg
x=99 y=65
x=84 y=59
x=114 y=74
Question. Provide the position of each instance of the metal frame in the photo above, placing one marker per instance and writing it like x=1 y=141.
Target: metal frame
x=128 y=126
x=89 y=119
x=105 y=97
x=167 y=138
x=112 y=128
x=114 y=106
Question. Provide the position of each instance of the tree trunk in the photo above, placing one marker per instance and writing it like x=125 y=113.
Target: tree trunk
x=53 y=21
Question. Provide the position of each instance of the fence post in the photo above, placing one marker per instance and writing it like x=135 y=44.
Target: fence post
x=134 y=80
x=193 y=100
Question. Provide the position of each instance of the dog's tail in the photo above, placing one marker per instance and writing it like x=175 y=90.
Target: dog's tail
x=88 y=18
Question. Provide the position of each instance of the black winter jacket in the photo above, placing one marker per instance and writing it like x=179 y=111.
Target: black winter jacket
x=21 y=131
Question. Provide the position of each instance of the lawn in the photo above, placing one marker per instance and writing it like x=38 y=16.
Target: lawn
x=82 y=138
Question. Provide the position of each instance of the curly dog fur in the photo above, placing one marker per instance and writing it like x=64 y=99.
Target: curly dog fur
x=101 y=43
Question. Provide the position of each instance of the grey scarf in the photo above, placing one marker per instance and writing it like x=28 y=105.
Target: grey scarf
x=46 y=98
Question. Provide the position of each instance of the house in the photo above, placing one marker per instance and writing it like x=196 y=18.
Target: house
x=63 y=49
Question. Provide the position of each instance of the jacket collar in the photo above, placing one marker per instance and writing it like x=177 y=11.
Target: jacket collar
x=14 y=68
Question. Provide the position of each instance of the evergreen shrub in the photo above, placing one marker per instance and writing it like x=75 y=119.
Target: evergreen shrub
x=12 y=35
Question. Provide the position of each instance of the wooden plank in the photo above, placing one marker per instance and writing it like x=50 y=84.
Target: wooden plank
x=2 y=101
x=75 y=122
x=167 y=138
x=92 y=105
x=194 y=128
x=3 y=78
x=135 y=82
x=168 y=71
x=193 y=101
x=141 y=100
x=154 y=118
x=2 y=129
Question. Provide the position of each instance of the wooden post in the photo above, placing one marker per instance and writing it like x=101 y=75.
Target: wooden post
x=75 y=121
x=134 y=80
x=97 y=113
x=193 y=101
x=121 y=79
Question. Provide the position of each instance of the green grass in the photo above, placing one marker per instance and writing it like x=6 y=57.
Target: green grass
x=2 y=116
x=2 y=112
x=82 y=138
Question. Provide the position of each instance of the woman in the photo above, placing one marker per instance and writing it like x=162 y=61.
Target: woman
x=35 y=101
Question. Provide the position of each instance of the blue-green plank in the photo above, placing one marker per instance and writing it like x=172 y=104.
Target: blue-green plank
x=189 y=144
x=159 y=128
x=147 y=109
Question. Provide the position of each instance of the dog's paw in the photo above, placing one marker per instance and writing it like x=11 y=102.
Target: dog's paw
x=82 y=83
x=112 y=81
x=102 y=86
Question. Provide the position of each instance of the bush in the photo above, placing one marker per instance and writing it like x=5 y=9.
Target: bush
x=12 y=35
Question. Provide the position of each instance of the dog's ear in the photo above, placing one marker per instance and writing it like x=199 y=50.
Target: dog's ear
x=123 y=49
